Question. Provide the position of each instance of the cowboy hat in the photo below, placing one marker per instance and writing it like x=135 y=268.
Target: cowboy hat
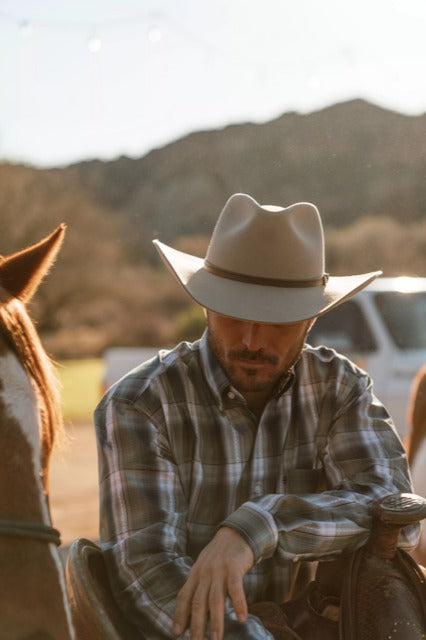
x=264 y=264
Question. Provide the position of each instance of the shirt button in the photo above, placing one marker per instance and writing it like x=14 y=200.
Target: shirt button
x=258 y=488
x=231 y=395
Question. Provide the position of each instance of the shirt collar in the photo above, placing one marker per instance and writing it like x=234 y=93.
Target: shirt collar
x=215 y=375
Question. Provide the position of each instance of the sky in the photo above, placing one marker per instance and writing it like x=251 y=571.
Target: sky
x=84 y=79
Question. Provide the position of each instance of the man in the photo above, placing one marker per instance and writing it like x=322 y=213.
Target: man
x=226 y=462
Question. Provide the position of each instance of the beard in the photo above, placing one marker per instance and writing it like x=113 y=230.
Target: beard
x=253 y=371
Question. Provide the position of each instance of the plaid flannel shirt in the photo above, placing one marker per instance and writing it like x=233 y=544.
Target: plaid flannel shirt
x=180 y=454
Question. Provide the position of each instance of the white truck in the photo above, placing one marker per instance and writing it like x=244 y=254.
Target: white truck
x=120 y=360
x=383 y=329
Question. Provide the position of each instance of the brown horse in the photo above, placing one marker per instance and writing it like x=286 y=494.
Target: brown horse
x=417 y=448
x=33 y=601
x=417 y=415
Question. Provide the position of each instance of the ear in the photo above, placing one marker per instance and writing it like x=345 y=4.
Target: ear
x=22 y=272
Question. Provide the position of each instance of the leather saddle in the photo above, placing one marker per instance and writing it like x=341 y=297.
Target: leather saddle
x=376 y=593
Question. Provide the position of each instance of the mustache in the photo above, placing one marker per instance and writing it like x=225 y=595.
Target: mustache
x=252 y=356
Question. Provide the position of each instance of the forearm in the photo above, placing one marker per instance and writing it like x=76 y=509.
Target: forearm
x=309 y=525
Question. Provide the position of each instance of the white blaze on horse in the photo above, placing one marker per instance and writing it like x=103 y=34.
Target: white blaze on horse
x=417 y=448
x=33 y=601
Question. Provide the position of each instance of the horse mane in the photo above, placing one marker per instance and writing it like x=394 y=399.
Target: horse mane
x=19 y=331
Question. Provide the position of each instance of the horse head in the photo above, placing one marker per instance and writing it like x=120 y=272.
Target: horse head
x=33 y=601
x=20 y=276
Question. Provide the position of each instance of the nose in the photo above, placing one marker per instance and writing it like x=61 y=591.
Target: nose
x=253 y=336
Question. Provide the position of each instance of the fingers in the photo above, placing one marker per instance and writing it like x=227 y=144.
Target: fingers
x=183 y=608
x=238 y=598
x=217 y=611
x=199 y=612
x=194 y=605
x=218 y=572
x=207 y=600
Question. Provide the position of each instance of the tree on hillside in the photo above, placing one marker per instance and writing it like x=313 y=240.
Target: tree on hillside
x=377 y=243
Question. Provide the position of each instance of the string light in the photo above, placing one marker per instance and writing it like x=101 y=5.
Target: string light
x=154 y=34
x=94 y=44
x=152 y=21
x=25 y=29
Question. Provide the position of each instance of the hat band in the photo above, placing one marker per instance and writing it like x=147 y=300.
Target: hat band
x=268 y=282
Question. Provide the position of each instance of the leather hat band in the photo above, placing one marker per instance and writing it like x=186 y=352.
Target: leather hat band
x=268 y=282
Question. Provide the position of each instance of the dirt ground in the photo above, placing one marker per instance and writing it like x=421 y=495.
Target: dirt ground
x=74 y=485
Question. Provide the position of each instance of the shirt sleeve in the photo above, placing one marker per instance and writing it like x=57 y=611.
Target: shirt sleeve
x=143 y=523
x=363 y=460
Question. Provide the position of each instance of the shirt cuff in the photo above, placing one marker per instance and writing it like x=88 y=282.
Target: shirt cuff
x=257 y=527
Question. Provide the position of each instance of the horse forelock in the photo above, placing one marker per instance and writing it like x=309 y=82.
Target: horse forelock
x=20 y=335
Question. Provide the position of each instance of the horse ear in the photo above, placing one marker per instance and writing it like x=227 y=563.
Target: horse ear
x=22 y=272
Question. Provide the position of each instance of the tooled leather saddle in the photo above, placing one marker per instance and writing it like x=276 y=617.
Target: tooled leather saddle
x=376 y=593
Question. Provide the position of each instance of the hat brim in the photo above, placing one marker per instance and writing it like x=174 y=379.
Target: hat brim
x=259 y=303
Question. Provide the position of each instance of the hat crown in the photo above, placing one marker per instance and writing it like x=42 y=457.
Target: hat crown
x=268 y=241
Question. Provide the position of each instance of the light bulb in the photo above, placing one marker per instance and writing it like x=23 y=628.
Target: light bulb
x=154 y=34
x=26 y=29
x=94 y=44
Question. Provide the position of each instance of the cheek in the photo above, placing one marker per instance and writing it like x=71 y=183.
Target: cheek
x=291 y=343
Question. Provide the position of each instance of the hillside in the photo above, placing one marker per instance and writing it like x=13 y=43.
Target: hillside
x=351 y=159
x=362 y=165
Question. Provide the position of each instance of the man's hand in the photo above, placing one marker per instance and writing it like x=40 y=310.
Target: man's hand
x=217 y=573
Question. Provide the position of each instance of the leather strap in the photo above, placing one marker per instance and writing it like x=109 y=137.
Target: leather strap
x=30 y=530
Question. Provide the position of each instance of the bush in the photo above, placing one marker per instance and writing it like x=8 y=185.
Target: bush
x=190 y=323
